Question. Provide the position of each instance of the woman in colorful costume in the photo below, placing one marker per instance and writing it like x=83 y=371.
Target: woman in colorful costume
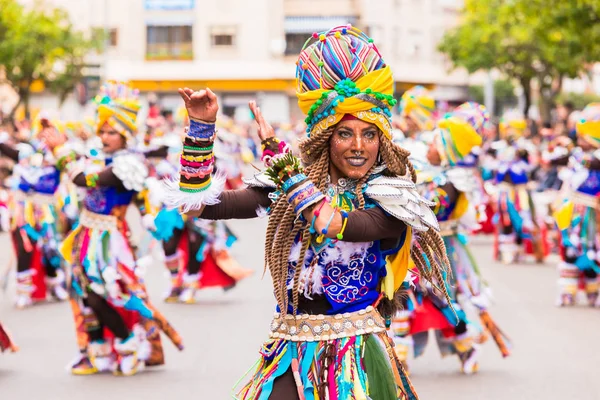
x=340 y=230
x=517 y=228
x=37 y=222
x=117 y=327
x=452 y=189
x=578 y=218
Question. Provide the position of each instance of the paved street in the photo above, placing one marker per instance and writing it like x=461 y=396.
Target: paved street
x=555 y=356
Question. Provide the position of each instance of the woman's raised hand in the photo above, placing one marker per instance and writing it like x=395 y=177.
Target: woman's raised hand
x=52 y=137
x=201 y=105
x=265 y=130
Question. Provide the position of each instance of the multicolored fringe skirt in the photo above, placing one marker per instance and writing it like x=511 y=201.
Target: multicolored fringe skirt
x=342 y=357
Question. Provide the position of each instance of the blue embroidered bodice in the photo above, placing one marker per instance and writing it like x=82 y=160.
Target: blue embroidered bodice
x=46 y=181
x=102 y=200
x=591 y=185
x=346 y=273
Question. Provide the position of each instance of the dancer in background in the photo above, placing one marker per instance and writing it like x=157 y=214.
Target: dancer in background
x=118 y=328
x=517 y=227
x=37 y=222
x=452 y=186
x=578 y=217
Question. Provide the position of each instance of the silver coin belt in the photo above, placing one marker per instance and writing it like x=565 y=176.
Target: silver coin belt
x=312 y=328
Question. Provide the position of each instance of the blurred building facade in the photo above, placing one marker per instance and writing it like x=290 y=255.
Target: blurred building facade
x=247 y=49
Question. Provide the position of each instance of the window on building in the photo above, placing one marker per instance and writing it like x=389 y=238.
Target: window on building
x=414 y=43
x=113 y=37
x=294 y=43
x=222 y=36
x=169 y=42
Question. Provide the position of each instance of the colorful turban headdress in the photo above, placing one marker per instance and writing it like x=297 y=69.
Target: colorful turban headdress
x=455 y=138
x=418 y=104
x=513 y=125
x=588 y=126
x=474 y=114
x=118 y=106
x=342 y=73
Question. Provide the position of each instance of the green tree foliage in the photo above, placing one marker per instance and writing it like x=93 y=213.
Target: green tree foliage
x=527 y=40
x=40 y=43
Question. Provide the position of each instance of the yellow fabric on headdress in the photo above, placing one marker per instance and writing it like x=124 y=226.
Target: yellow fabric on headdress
x=418 y=103
x=122 y=120
x=463 y=135
x=380 y=81
x=590 y=129
x=514 y=128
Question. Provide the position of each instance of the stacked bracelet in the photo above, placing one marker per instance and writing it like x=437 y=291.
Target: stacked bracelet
x=91 y=180
x=197 y=160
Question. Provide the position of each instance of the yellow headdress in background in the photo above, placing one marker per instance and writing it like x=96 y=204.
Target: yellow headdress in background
x=589 y=125
x=455 y=138
x=118 y=106
x=418 y=104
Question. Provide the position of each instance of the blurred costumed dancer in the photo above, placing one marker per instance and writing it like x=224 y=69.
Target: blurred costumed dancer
x=578 y=218
x=117 y=327
x=517 y=228
x=37 y=221
x=452 y=189
x=417 y=106
x=340 y=230
x=196 y=251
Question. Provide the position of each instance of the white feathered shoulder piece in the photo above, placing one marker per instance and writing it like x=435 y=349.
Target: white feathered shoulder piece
x=399 y=197
x=260 y=180
x=463 y=179
x=131 y=170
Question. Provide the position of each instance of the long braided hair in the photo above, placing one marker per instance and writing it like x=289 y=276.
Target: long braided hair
x=428 y=251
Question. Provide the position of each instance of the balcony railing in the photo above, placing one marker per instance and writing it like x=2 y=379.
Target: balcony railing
x=169 y=51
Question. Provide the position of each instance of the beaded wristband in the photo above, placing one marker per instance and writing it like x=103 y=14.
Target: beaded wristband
x=201 y=129
x=303 y=195
x=91 y=180
x=287 y=185
x=308 y=202
x=298 y=190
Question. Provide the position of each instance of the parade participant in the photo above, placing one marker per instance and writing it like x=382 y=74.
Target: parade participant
x=36 y=219
x=196 y=251
x=578 y=218
x=453 y=189
x=118 y=328
x=343 y=222
x=516 y=223
x=416 y=111
x=5 y=341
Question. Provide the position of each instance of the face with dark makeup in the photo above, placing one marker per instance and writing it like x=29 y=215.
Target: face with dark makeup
x=353 y=149
x=112 y=140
